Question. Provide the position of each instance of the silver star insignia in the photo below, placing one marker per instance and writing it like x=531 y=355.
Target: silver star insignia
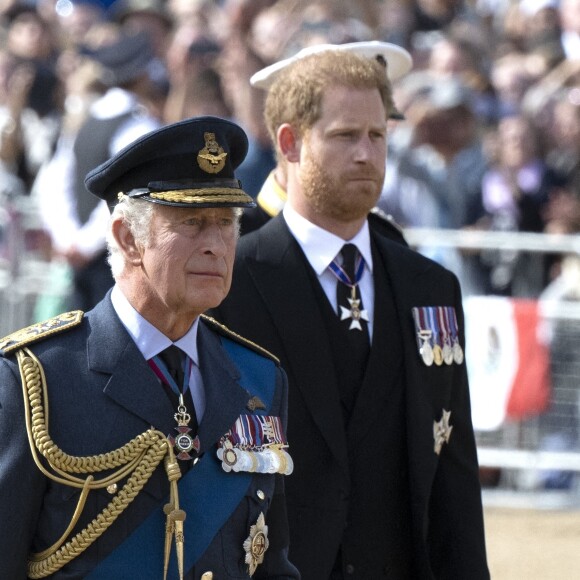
x=355 y=313
x=256 y=544
x=442 y=431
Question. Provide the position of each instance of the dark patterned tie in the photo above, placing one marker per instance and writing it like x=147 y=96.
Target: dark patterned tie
x=355 y=340
x=174 y=357
x=344 y=292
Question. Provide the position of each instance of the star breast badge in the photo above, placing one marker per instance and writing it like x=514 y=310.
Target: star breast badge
x=442 y=431
x=256 y=544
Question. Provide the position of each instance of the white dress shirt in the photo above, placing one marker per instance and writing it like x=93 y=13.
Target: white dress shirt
x=321 y=247
x=150 y=341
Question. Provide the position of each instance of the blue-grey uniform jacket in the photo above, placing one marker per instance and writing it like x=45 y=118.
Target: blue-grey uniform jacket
x=101 y=394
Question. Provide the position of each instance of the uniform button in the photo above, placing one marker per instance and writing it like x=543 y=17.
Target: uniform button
x=207 y=576
x=349 y=569
x=260 y=494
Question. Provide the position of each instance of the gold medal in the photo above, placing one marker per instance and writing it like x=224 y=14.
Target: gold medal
x=437 y=355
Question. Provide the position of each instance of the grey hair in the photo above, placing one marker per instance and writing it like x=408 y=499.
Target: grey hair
x=137 y=216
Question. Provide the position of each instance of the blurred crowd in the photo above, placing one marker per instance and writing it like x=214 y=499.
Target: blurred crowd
x=490 y=140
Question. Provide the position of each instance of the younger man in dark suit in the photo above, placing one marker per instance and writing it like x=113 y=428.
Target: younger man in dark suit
x=371 y=336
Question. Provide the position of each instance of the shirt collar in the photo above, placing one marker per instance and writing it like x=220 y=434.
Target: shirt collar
x=149 y=340
x=320 y=246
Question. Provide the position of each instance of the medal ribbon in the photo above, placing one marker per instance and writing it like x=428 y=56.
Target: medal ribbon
x=450 y=311
x=420 y=315
x=256 y=431
x=160 y=369
x=341 y=275
x=434 y=324
x=443 y=324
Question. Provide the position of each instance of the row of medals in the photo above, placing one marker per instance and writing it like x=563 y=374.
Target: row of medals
x=269 y=459
x=447 y=354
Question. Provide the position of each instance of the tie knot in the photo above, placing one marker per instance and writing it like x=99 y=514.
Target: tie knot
x=173 y=358
x=349 y=255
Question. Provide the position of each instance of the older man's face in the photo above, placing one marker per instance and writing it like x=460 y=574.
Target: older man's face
x=187 y=266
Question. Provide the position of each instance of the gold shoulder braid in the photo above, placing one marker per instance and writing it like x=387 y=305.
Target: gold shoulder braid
x=40 y=330
x=139 y=458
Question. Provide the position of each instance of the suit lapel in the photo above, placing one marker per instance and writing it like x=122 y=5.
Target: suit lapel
x=282 y=271
x=410 y=286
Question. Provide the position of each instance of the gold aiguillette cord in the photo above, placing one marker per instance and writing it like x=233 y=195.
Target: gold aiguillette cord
x=175 y=516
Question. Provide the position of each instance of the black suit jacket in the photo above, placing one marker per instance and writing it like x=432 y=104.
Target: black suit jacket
x=272 y=302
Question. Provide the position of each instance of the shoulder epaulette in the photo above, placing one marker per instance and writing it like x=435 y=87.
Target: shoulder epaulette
x=225 y=331
x=40 y=331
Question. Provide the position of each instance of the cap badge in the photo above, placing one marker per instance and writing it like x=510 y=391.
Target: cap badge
x=212 y=158
x=255 y=403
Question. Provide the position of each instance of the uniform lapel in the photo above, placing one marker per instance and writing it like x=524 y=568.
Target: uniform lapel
x=132 y=383
x=281 y=270
x=135 y=387
x=226 y=399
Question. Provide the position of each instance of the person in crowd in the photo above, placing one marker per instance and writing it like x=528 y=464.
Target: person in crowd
x=569 y=13
x=371 y=335
x=166 y=445
x=515 y=192
x=35 y=91
x=75 y=220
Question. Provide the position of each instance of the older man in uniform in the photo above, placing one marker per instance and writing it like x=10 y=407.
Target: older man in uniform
x=141 y=439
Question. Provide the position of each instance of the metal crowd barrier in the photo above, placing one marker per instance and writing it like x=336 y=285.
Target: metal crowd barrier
x=534 y=461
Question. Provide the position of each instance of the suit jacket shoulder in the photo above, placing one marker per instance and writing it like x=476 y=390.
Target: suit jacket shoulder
x=385 y=225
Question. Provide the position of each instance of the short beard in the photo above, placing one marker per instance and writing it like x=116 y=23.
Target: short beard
x=326 y=196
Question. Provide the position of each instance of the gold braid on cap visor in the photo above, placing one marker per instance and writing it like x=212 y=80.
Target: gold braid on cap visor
x=210 y=194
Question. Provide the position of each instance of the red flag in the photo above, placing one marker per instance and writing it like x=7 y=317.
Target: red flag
x=530 y=390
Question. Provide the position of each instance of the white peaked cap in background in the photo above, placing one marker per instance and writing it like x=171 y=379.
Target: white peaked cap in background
x=399 y=61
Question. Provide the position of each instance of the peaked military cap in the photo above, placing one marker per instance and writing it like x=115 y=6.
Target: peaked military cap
x=190 y=163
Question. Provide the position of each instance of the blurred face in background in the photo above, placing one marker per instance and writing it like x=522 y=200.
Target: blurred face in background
x=517 y=142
